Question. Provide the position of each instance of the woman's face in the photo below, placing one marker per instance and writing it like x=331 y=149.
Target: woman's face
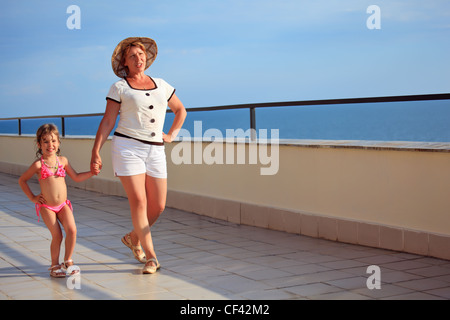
x=135 y=60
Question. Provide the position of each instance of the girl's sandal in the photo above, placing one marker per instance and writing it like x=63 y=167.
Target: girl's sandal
x=56 y=272
x=150 y=269
x=70 y=268
x=126 y=240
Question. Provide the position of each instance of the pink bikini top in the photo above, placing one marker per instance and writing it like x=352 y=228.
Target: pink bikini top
x=47 y=172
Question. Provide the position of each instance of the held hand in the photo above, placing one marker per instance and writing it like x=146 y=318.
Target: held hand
x=95 y=168
x=96 y=164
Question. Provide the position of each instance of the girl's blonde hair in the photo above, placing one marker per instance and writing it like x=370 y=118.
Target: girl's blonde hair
x=46 y=129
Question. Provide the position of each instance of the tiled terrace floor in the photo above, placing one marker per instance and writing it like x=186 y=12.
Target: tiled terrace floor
x=201 y=258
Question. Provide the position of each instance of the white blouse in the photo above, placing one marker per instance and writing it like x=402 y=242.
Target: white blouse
x=142 y=112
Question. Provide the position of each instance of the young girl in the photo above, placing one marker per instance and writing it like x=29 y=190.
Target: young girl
x=52 y=202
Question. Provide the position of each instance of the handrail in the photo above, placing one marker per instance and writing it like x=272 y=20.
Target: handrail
x=253 y=106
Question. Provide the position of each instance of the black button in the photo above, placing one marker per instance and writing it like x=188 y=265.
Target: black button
x=147 y=94
x=152 y=121
x=150 y=107
x=153 y=134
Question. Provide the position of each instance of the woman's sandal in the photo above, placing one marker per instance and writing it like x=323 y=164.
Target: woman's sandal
x=126 y=240
x=56 y=272
x=150 y=269
x=70 y=268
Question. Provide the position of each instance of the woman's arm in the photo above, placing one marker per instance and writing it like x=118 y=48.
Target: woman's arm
x=180 y=114
x=104 y=129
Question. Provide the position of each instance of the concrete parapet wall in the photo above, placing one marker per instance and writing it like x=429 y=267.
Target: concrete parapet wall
x=388 y=195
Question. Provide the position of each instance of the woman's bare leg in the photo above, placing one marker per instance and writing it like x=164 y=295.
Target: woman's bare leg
x=156 y=189
x=135 y=189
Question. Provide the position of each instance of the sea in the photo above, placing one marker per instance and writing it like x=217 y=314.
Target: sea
x=427 y=121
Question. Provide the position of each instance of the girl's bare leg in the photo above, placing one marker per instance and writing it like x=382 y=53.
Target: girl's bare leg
x=68 y=221
x=52 y=224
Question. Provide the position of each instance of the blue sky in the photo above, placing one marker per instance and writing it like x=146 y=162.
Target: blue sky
x=222 y=52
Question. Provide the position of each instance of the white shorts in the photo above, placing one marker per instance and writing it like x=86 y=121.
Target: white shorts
x=131 y=157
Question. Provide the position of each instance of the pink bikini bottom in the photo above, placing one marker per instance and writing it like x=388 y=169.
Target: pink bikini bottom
x=55 y=209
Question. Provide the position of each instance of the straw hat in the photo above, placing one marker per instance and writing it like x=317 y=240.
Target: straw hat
x=150 y=48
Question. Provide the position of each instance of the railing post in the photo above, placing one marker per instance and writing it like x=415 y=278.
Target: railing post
x=20 y=126
x=252 y=124
x=63 y=127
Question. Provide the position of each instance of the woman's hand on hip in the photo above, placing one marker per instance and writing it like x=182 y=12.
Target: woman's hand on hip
x=167 y=138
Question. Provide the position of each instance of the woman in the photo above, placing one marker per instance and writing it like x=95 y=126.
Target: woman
x=138 y=156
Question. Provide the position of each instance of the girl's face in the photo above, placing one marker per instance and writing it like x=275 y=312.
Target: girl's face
x=135 y=60
x=49 y=144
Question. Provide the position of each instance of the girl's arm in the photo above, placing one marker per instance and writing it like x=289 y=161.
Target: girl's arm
x=180 y=114
x=104 y=129
x=77 y=177
x=23 y=182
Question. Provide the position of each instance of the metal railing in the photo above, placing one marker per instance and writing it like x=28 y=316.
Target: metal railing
x=253 y=106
